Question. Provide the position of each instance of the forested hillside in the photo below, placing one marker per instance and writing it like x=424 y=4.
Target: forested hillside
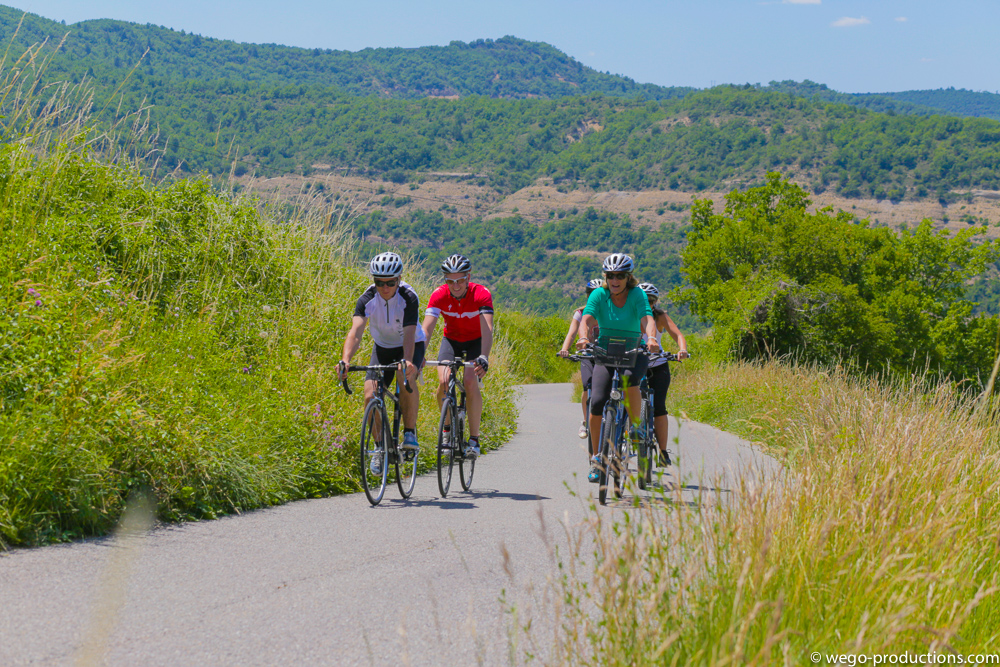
x=107 y=50
x=271 y=110
x=543 y=267
x=946 y=101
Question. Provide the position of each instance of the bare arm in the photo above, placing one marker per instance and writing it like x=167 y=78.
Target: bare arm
x=648 y=325
x=587 y=325
x=486 y=331
x=409 y=342
x=353 y=341
x=675 y=333
x=574 y=327
x=430 y=321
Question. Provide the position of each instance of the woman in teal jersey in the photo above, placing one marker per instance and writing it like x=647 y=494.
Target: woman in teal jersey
x=622 y=308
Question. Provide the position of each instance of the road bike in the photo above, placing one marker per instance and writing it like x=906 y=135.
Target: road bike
x=647 y=445
x=380 y=444
x=452 y=443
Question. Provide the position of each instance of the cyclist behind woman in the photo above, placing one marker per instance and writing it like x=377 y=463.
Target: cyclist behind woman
x=393 y=310
x=587 y=365
x=621 y=307
x=658 y=375
x=467 y=309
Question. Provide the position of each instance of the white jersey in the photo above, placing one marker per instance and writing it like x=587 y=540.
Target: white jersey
x=656 y=362
x=387 y=318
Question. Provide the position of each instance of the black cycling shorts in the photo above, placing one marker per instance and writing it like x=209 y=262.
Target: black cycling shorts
x=658 y=378
x=382 y=356
x=586 y=373
x=452 y=349
x=600 y=385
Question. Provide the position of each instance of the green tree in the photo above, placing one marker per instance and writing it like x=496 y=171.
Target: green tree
x=775 y=280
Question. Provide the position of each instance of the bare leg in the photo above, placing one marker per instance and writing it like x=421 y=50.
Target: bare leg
x=409 y=402
x=369 y=394
x=662 y=428
x=595 y=433
x=473 y=402
x=634 y=403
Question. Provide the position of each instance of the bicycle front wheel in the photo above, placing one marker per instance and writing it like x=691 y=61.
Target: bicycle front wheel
x=466 y=467
x=406 y=471
x=374 y=455
x=605 y=444
x=645 y=454
x=447 y=444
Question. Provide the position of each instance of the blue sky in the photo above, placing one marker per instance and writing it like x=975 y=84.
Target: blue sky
x=850 y=45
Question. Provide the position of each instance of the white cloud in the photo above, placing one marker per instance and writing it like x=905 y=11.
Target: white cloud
x=901 y=19
x=850 y=22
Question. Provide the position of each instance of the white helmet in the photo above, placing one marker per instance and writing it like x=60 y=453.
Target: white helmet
x=456 y=264
x=386 y=265
x=619 y=261
x=596 y=283
x=650 y=290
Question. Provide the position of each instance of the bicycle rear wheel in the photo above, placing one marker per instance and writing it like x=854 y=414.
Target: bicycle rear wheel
x=374 y=455
x=466 y=467
x=622 y=455
x=605 y=449
x=447 y=442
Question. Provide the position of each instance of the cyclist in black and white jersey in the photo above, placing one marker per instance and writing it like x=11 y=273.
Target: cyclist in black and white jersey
x=392 y=309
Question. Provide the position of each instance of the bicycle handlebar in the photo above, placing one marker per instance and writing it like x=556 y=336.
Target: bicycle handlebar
x=457 y=363
x=588 y=353
x=399 y=366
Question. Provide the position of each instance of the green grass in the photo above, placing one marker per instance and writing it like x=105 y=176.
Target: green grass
x=175 y=339
x=882 y=538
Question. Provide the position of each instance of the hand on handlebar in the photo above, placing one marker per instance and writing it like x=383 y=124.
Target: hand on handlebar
x=342 y=369
x=654 y=346
x=683 y=354
x=411 y=371
x=562 y=353
x=582 y=343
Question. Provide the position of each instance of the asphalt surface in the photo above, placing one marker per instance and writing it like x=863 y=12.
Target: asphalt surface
x=428 y=581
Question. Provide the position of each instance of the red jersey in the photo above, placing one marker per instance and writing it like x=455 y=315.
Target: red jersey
x=461 y=316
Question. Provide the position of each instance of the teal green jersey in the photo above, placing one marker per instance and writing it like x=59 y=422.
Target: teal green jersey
x=624 y=319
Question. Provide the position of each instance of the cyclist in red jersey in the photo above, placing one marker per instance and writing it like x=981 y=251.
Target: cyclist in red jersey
x=467 y=309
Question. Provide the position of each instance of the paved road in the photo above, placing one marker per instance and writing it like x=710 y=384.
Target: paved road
x=334 y=581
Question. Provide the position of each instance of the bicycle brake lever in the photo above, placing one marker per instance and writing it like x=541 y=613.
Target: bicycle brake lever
x=406 y=383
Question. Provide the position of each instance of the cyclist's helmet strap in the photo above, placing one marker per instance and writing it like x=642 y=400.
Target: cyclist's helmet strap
x=456 y=264
x=386 y=265
x=618 y=262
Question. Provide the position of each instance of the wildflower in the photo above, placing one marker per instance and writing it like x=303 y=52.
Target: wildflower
x=38 y=302
x=33 y=292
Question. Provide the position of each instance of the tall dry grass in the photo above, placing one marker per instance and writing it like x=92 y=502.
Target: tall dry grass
x=884 y=536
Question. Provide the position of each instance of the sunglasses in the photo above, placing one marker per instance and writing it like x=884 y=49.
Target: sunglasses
x=616 y=276
x=386 y=283
x=456 y=281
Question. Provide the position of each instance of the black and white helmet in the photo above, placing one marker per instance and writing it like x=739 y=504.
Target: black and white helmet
x=650 y=290
x=386 y=265
x=596 y=283
x=619 y=261
x=456 y=264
